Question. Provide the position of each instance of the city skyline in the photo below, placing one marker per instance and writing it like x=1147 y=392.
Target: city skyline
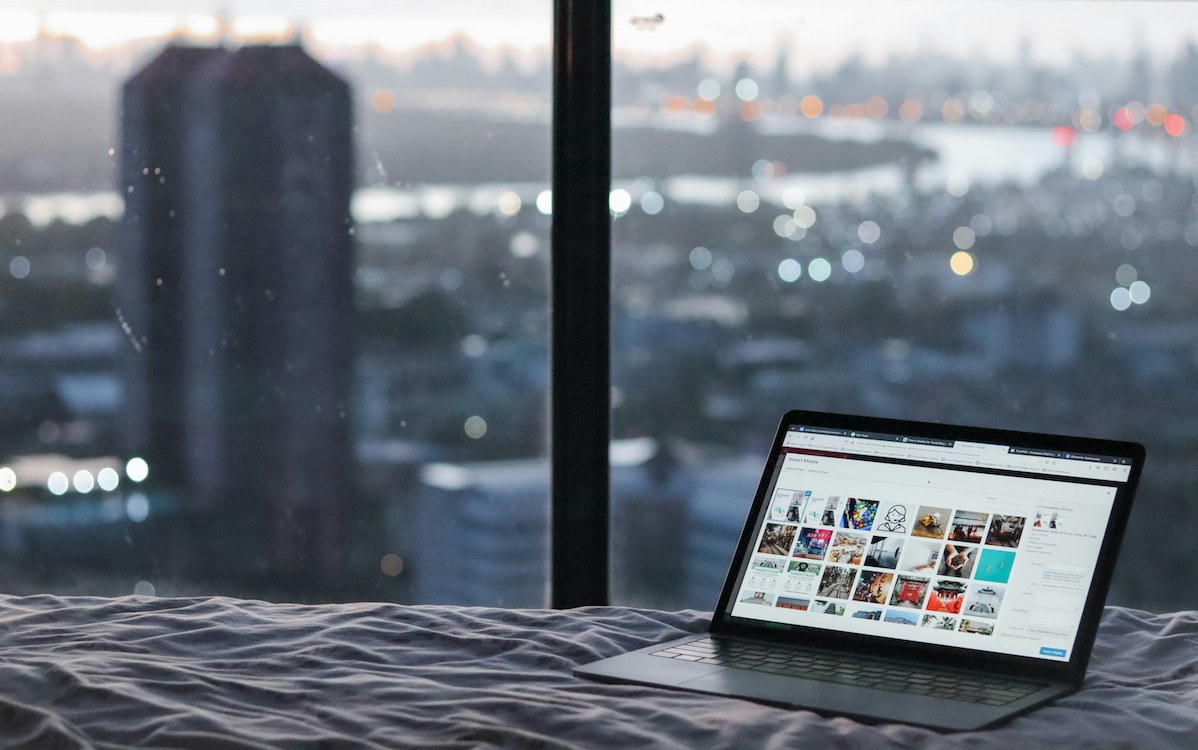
x=819 y=35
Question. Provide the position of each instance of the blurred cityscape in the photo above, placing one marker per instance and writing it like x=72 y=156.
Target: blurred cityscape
x=932 y=237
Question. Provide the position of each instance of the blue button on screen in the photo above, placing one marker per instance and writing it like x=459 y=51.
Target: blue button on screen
x=1046 y=651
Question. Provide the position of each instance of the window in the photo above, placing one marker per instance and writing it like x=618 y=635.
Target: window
x=274 y=310
x=978 y=213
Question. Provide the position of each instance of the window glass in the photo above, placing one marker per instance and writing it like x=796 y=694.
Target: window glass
x=273 y=300
x=963 y=212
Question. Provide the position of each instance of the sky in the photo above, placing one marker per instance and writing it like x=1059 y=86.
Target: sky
x=820 y=32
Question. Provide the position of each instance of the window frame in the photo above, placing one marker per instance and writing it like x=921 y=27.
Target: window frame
x=580 y=305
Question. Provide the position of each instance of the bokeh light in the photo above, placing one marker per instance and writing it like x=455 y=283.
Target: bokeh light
x=868 y=231
x=137 y=469
x=58 y=483
x=700 y=258
x=790 y=270
x=853 y=260
x=748 y=201
x=8 y=479
x=961 y=263
x=475 y=427
x=652 y=202
x=819 y=269
x=619 y=201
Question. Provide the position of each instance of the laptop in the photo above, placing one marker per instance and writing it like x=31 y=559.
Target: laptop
x=897 y=571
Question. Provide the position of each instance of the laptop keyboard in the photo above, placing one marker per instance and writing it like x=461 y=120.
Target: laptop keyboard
x=830 y=667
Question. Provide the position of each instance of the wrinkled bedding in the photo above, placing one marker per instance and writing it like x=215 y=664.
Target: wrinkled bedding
x=227 y=673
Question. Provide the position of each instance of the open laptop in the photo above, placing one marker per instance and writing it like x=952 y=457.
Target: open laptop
x=898 y=571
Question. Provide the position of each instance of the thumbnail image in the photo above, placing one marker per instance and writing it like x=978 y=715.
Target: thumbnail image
x=767 y=565
x=847 y=548
x=938 y=622
x=957 y=561
x=837 y=582
x=821 y=512
x=930 y=522
x=884 y=551
x=813 y=543
x=984 y=601
x=968 y=526
x=893 y=518
x=920 y=556
x=1006 y=531
x=868 y=613
x=764 y=572
x=828 y=607
x=902 y=617
x=1048 y=518
x=873 y=586
x=802 y=577
x=858 y=514
x=947 y=596
x=995 y=565
x=758 y=597
x=787 y=505
x=786 y=602
x=777 y=539
x=909 y=591
x=980 y=627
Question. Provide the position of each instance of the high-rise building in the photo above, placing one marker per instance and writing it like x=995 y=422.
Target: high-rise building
x=237 y=297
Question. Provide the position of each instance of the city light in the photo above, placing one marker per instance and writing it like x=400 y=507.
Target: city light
x=748 y=201
x=853 y=261
x=652 y=203
x=1064 y=136
x=19 y=267
x=746 y=89
x=790 y=270
x=382 y=102
x=1175 y=125
x=805 y=217
x=619 y=201
x=391 y=565
x=709 y=89
x=1126 y=274
x=8 y=479
x=700 y=258
x=961 y=263
x=545 y=202
x=911 y=111
x=108 y=479
x=58 y=483
x=1092 y=168
x=475 y=427
x=1120 y=299
x=811 y=106
x=84 y=481
x=1139 y=292
x=819 y=269
x=868 y=231
x=784 y=225
x=963 y=238
x=509 y=204
x=793 y=197
x=137 y=469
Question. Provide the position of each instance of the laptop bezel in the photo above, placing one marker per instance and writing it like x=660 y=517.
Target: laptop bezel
x=1072 y=671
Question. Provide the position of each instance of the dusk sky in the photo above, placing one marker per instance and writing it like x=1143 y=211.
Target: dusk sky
x=822 y=32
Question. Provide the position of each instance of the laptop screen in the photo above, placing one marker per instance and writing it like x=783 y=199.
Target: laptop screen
x=983 y=546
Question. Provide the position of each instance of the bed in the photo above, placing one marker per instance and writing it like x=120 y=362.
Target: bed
x=229 y=673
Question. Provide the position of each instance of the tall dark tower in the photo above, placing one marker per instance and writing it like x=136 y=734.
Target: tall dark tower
x=239 y=293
